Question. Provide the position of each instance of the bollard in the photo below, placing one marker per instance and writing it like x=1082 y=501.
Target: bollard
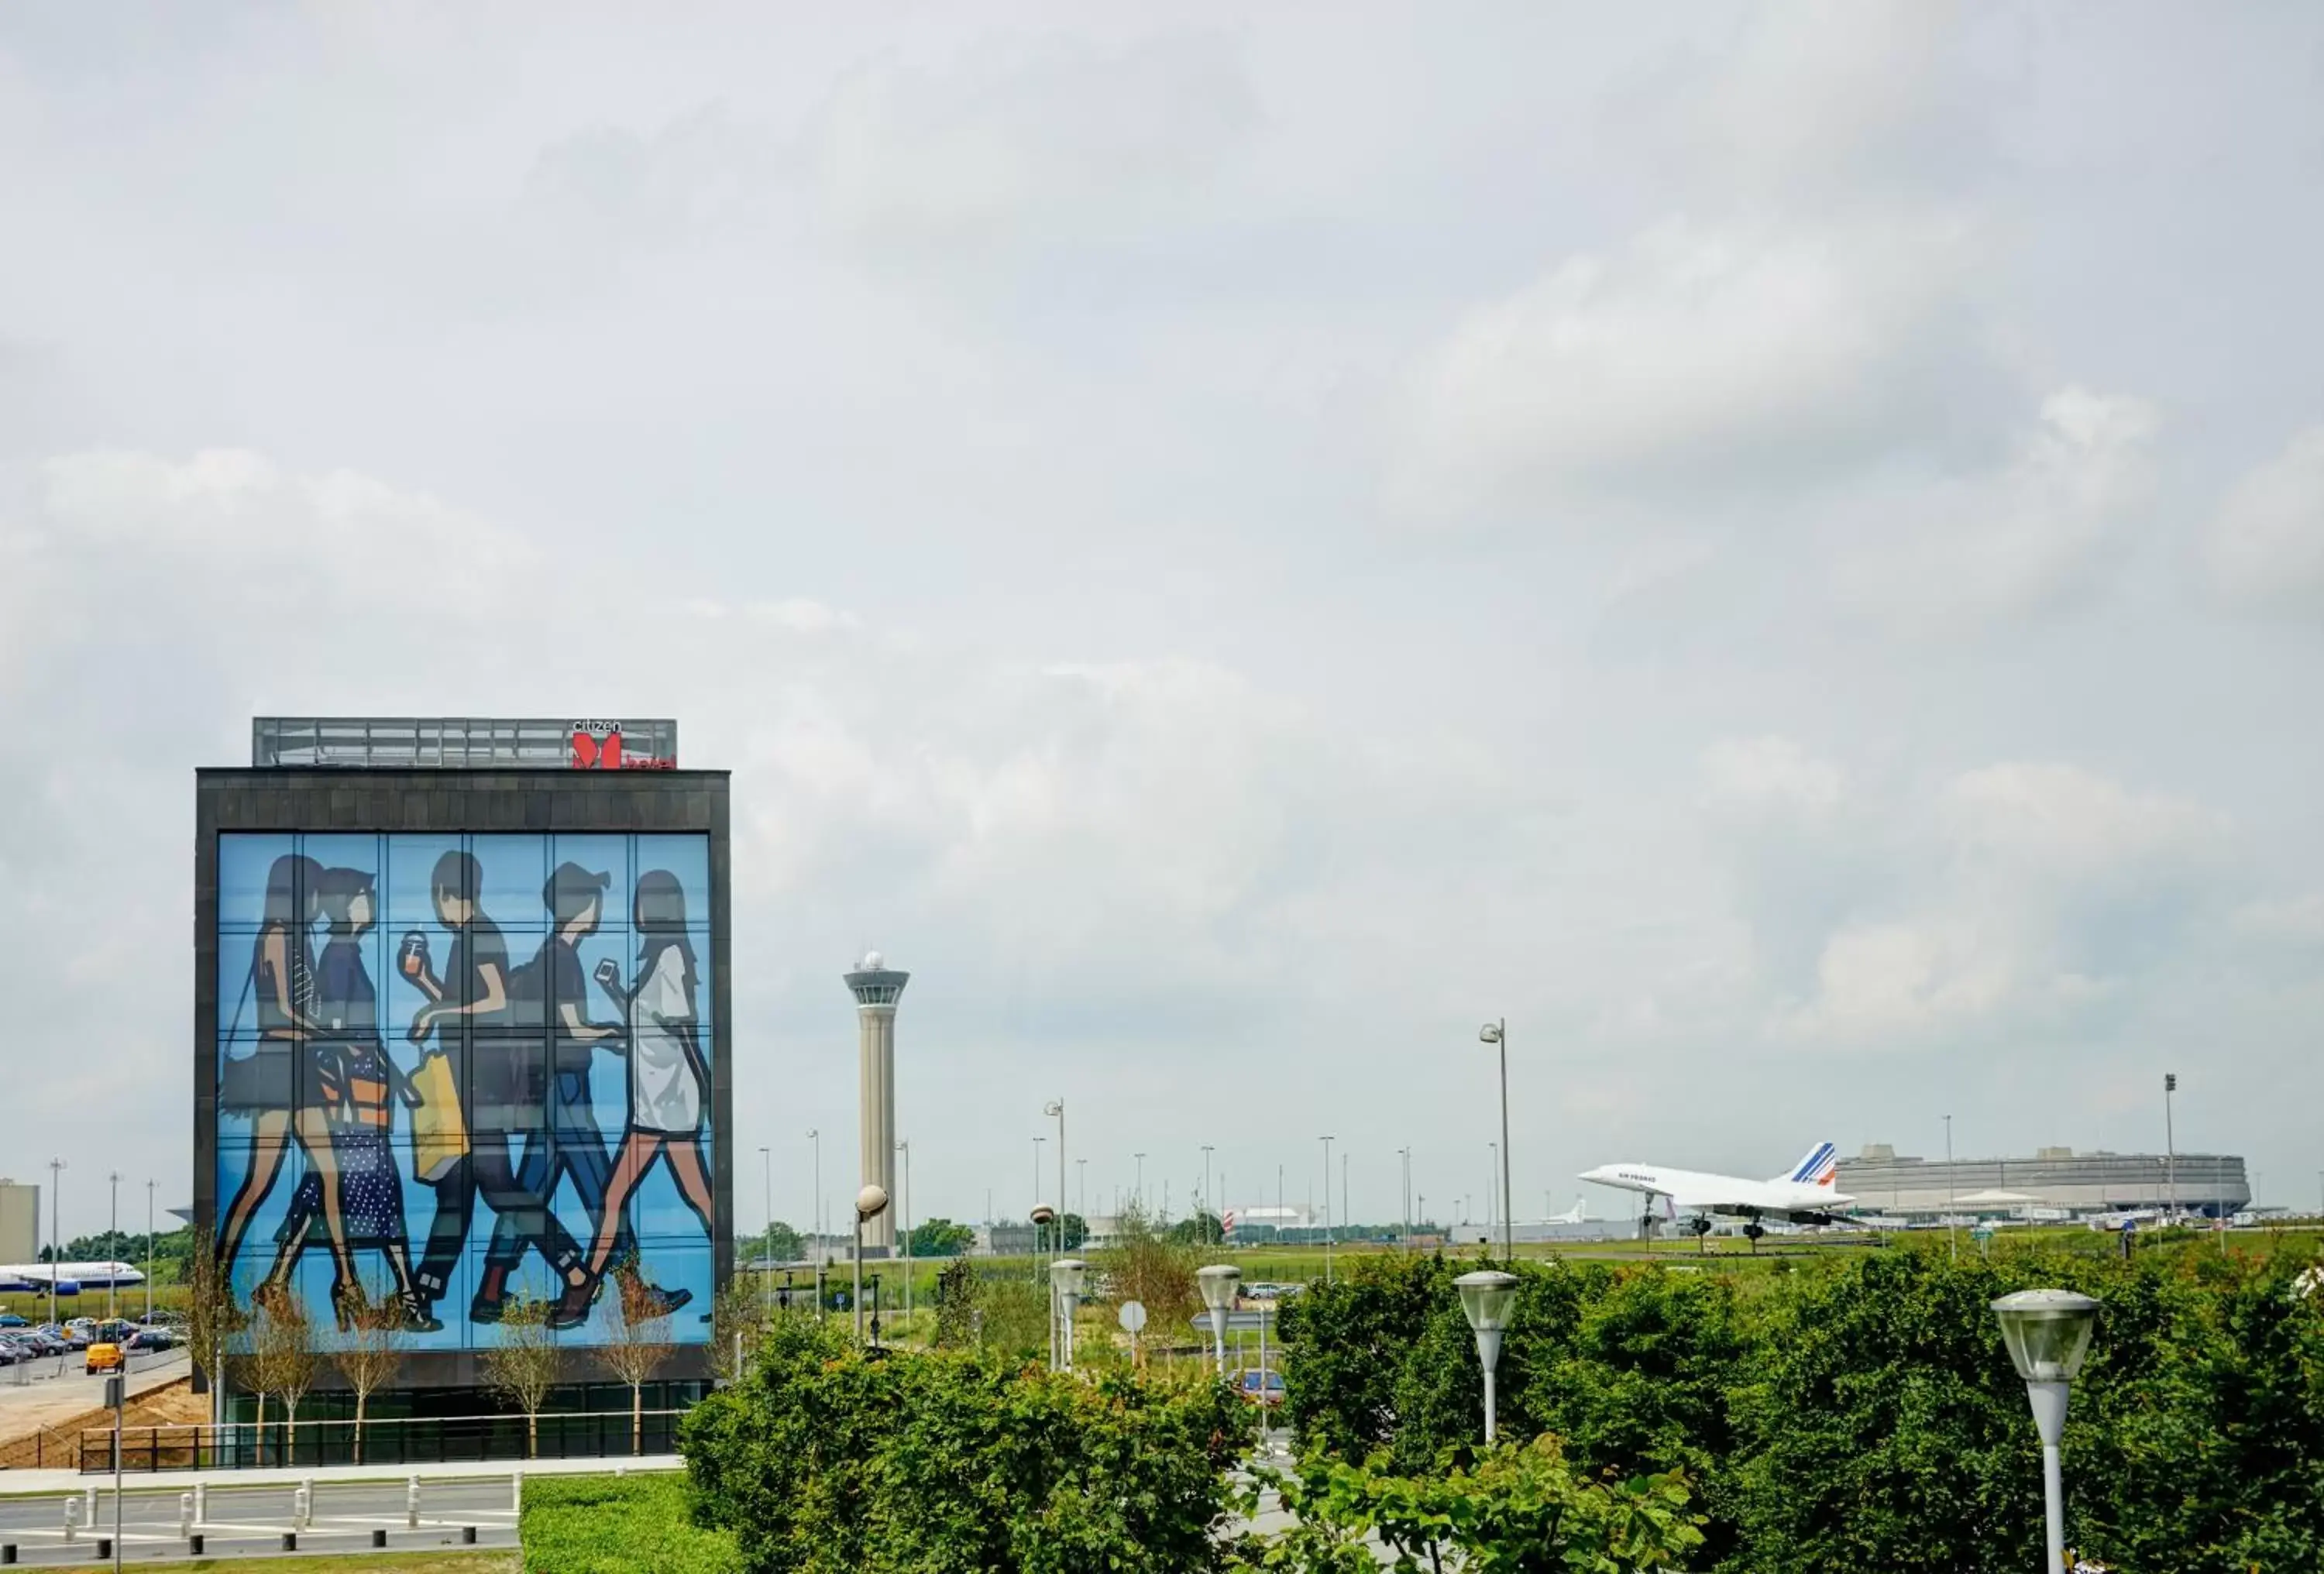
x=378 y=1539
x=72 y=1518
x=516 y=1492
x=201 y=1503
x=104 y=1548
x=289 y=1540
x=185 y=1514
x=194 y=1545
x=88 y=1514
x=467 y=1535
x=411 y=1503
x=303 y=1506
x=7 y=1551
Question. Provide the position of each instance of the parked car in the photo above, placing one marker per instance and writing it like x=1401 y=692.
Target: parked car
x=104 y=1358
x=151 y=1338
x=1257 y=1387
x=10 y=1320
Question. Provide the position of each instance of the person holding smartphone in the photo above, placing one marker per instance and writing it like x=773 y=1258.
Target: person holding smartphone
x=667 y=1076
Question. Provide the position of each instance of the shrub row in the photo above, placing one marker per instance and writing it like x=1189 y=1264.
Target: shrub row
x=636 y=1524
x=1862 y=1414
x=826 y=1459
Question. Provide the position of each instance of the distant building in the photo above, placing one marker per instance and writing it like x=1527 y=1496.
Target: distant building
x=2054 y=1180
x=20 y=1222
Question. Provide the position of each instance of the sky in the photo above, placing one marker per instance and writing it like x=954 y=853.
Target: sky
x=1779 y=548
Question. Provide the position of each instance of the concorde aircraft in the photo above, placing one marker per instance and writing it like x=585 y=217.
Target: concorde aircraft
x=1805 y=1194
x=71 y=1278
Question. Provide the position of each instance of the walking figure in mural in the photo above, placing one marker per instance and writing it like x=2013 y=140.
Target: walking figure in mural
x=346 y=1114
x=667 y=1073
x=468 y=1002
x=261 y=1086
x=505 y=1100
x=574 y=1148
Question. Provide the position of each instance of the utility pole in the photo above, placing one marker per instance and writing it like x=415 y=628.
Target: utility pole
x=56 y=1236
x=1343 y=1188
x=1952 y=1242
x=816 y=1137
x=113 y=1234
x=1081 y=1178
x=1057 y=1107
x=904 y=1147
x=1207 y=1202
x=1406 y=1153
x=2169 y=1144
x=149 y=1251
x=1327 y=1210
x=1140 y=1195
x=1497 y=1033
x=767 y=1248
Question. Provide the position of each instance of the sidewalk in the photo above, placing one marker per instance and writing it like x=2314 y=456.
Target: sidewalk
x=37 y=1483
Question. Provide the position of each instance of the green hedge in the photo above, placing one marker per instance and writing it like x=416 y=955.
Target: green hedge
x=630 y=1524
x=1863 y=1413
x=827 y=1460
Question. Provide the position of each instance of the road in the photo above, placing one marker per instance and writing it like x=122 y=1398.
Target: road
x=250 y=1520
x=37 y=1393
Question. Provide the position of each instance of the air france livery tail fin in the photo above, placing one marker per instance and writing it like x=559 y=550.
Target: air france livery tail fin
x=1817 y=1169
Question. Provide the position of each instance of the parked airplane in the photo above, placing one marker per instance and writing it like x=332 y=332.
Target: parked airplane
x=70 y=1278
x=1804 y=1195
x=1573 y=1215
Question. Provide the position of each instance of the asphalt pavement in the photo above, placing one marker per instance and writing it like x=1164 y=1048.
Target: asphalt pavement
x=252 y=1520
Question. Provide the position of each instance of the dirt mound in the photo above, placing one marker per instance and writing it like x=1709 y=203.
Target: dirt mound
x=56 y=1447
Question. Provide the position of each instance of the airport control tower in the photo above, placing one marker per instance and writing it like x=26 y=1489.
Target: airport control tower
x=877 y=988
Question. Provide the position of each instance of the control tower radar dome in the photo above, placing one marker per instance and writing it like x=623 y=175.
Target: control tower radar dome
x=872 y=962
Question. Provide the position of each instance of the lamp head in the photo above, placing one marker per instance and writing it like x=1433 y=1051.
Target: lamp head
x=2048 y=1332
x=871 y=1202
x=1219 y=1283
x=1043 y=1214
x=1066 y=1277
x=1487 y=1297
x=1490 y=1033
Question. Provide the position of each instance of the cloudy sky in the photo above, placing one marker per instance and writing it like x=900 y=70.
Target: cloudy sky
x=1780 y=549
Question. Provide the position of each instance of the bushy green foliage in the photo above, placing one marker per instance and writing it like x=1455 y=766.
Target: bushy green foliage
x=1517 y=1509
x=826 y=1461
x=1863 y=1413
x=636 y=1524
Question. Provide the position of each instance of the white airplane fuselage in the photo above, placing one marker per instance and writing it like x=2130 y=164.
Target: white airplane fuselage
x=1698 y=1192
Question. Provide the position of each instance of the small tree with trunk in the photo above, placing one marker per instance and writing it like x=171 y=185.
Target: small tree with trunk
x=522 y=1365
x=283 y=1362
x=737 y=1326
x=212 y=1319
x=637 y=1343
x=369 y=1357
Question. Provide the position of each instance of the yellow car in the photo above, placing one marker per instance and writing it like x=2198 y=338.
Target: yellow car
x=104 y=1359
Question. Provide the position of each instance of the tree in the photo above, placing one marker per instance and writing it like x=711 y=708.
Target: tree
x=778 y=1243
x=637 y=1343
x=1146 y=1265
x=283 y=1362
x=1202 y=1229
x=212 y=1319
x=523 y=1364
x=371 y=1354
x=941 y=1238
x=1066 y=1233
x=737 y=1326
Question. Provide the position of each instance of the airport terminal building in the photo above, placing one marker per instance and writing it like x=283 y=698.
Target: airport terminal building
x=463 y=1039
x=2055 y=1182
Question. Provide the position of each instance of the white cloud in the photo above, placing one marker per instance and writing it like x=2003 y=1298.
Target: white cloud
x=2062 y=820
x=2265 y=544
x=1696 y=353
x=1935 y=556
x=1770 y=773
x=2293 y=921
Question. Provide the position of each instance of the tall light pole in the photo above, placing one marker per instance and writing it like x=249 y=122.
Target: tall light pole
x=1138 y=1196
x=1057 y=1107
x=1492 y=1182
x=112 y=1233
x=56 y=1236
x=767 y=1245
x=1406 y=1153
x=1344 y=1216
x=1496 y=1033
x=1208 y=1202
x=149 y=1251
x=2169 y=1144
x=1037 y=1180
x=904 y=1147
x=1327 y=1210
x=1952 y=1242
x=1081 y=1177
x=816 y=1137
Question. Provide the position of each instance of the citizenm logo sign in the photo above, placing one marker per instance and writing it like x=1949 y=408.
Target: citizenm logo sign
x=597 y=746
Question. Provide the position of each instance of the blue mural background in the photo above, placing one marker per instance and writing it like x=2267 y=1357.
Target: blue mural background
x=578 y=1072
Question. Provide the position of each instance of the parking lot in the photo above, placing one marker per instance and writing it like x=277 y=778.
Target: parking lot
x=235 y=1521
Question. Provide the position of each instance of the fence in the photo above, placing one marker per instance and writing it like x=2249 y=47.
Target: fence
x=402 y=1440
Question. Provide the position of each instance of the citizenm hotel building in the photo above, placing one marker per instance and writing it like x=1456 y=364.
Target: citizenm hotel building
x=462 y=1039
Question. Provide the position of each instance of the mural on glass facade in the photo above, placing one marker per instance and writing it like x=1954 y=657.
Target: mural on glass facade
x=456 y=1069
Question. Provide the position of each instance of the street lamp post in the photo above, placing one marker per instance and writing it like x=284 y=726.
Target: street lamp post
x=2170 y=1144
x=870 y=1204
x=56 y=1240
x=1487 y=1298
x=1406 y=1154
x=149 y=1251
x=1081 y=1180
x=1952 y=1242
x=1327 y=1210
x=767 y=1243
x=112 y=1286
x=2048 y=1332
x=1057 y=1107
x=906 y=1149
x=816 y=1137
x=1138 y=1196
x=1207 y=1201
x=1219 y=1283
x=1496 y=1033
x=1066 y=1277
